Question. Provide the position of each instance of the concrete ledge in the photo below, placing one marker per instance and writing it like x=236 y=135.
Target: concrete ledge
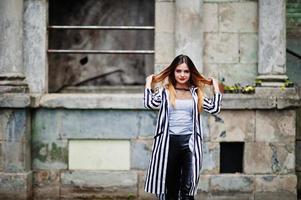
x=263 y=98
x=92 y=101
x=135 y=101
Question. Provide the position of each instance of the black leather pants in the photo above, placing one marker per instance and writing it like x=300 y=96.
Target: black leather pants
x=179 y=168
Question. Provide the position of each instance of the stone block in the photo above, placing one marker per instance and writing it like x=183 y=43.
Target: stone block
x=46 y=124
x=262 y=157
x=15 y=125
x=164 y=47
x=275 y=125
x=232 y=183
x=46 y=184
x=232 y=196
x=232 y=73
x=205 y=125
x=52 y=125
x=16 y=186
x=15 y=156
x=164 y=17
x=279 y=195
x=233 y=126
x=238 y=17
x=221 y=48
x=99 y=155
x=210 y=17
x=248 y=46
x=251 y=101
x=14 y=100
x=211 y=158
x=99 y=124
x=50 y=155
x=203 y=195
x=147 y=123
x=140 y=153
x=275 y=183
x=141 y=193
x=203 y=186
x=99 y=184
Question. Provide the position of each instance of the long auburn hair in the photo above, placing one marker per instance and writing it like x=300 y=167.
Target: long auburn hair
x=167 y=79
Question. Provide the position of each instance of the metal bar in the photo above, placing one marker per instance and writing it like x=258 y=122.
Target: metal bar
x=103 y=27
x=293 y=53
x=64 y=51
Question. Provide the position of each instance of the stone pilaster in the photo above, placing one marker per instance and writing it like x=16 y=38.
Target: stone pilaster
x=15 y=156
x=189 y=30
x=15 y=133
x=35 y=45
x=11 y=56
x=164 y=34
x=272 y=42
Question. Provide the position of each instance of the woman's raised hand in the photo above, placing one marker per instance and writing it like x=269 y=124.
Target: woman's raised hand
x=149 y=80
x=215 y=84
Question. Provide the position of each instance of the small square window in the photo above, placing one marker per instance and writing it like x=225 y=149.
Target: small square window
x=231 y=157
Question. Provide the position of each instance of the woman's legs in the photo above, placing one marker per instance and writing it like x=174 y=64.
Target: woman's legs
x=173 y=176
x=186 y=177
x=179 y=168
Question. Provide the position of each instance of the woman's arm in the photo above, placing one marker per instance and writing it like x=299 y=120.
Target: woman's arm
x=152 y=100
x=213 y=105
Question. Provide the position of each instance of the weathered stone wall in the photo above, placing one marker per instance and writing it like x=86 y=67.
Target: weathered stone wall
x=268 y=136
x=38 y=131
x=52 y=131
x=230 y=40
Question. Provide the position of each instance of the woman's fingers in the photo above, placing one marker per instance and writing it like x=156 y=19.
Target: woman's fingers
x=215 y=84
x=149 y=78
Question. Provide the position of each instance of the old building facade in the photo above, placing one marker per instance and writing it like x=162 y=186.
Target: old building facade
x=60 y=141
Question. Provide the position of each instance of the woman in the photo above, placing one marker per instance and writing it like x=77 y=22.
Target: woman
x=177 y=153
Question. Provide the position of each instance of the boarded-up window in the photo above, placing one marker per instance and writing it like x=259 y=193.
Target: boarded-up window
x=100 y=42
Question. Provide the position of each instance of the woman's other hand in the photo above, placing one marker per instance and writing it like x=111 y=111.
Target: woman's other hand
x=149 y=80
x=215 y=85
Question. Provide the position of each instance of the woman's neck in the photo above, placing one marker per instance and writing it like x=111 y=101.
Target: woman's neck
x=181 y=86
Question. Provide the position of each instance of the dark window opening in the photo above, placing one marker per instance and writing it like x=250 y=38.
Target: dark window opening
x=99 y=43
x=231 y=157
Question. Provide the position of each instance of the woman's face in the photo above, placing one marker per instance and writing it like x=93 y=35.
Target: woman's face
x=182 y=74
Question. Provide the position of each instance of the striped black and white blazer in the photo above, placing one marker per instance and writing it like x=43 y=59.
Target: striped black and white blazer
x=156 y=173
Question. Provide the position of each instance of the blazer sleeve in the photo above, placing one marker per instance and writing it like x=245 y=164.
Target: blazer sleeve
x=152 y=100
x=213 y=105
